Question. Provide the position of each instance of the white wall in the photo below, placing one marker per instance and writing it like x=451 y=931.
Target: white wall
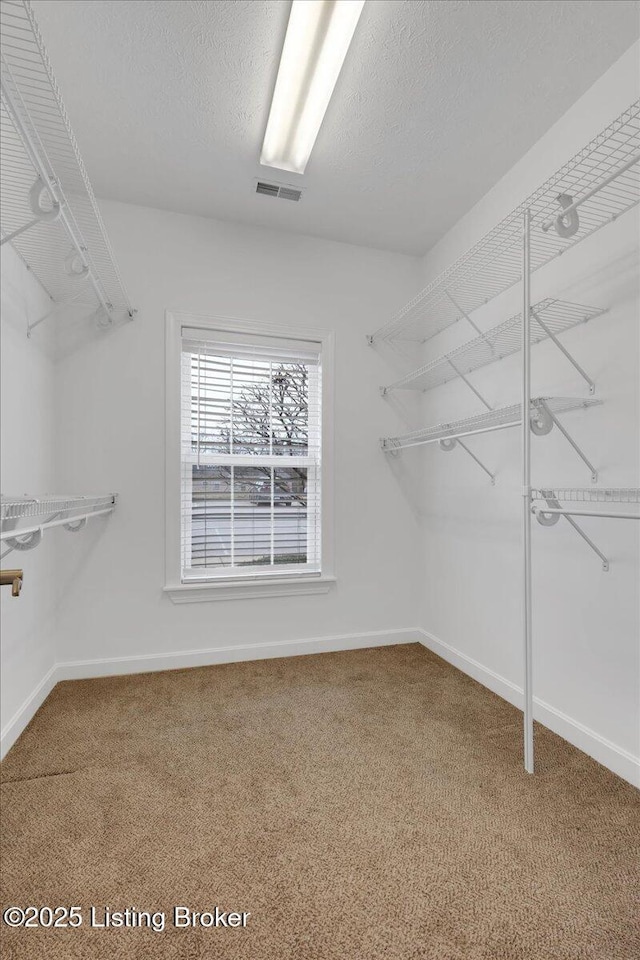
x=28 y=631
x=586 y=622
x=110 y=404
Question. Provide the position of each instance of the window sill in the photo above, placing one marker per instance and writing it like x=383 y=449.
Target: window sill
x=248 y=589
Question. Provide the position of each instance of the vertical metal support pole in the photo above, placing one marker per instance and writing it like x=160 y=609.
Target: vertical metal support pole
x=526 y=490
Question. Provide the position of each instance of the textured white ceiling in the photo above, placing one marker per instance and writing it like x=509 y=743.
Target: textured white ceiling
x=169 y=101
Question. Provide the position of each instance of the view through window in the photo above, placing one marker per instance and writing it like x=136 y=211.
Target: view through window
x=250 y=457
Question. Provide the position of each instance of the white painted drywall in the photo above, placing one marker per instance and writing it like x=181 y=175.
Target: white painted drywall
x=27 y=457
x=110 y=404
x=586 y=623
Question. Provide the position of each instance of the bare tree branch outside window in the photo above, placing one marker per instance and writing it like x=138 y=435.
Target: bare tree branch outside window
x=269 y=415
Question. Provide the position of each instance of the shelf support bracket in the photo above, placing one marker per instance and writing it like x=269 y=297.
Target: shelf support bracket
x=581 y=533
x=569 y=438
x=42 y=214
x=563 y=350
x=550 y=519
x=450 y=442
x=459 y=373
x=469 y=320
x=54 y=309
x=8 y=237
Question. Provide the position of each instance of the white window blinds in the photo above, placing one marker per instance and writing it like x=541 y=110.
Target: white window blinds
x=251 y=456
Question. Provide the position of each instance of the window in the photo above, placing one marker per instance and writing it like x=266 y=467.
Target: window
x=250 y=457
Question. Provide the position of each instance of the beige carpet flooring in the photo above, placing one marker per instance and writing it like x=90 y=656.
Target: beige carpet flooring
x=360 y=805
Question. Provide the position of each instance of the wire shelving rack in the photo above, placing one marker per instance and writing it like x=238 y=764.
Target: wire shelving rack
x=498 y=419
x=543 y=416
x=589 y=494
x=601 y=182
x=25 y=519
x=49 y=211
x=596 y=186
x=549 y=514
x=495 y=344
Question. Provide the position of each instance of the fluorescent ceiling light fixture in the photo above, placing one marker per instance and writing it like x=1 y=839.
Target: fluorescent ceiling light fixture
x=318 y=36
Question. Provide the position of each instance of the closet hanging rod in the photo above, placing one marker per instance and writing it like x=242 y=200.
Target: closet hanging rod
x=555 y=511
x=60 y=521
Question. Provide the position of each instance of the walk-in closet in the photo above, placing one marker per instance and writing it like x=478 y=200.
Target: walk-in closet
x=320 y=607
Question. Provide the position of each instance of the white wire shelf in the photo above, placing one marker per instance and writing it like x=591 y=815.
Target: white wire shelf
x=588 y=495
x=599 y=184
x=495 y=344
x=49 y=211
x=24 y=519
x=549 y=514
x=27 y=508
x=500 y=419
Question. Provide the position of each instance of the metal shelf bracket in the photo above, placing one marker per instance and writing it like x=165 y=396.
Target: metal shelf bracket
x=449 y=443
x=42 y=214
x=550 y=518
x=55 y=309
x=564 y=351
x=542 y=424
x=466 y=317
x=464 y=379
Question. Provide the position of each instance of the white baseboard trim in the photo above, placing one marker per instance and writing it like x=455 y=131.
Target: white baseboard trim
x=114 y=666
x=118 y=666
x=609 y=754
x=27 y=711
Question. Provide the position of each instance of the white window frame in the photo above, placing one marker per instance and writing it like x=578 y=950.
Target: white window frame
x=249 y=585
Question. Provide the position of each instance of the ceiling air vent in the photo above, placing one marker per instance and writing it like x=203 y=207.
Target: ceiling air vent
x=278 y=190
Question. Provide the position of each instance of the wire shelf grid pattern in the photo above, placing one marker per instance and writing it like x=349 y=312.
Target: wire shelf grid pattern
x=503 y=417
x=584 y=495
x=495 y=263
x=15 y=509
x=495 y=344
x=40 y=127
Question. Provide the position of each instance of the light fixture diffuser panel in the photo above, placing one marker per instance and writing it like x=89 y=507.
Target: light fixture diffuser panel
x=318 y=37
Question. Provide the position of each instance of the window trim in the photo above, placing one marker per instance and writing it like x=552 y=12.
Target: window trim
x=248 y=586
